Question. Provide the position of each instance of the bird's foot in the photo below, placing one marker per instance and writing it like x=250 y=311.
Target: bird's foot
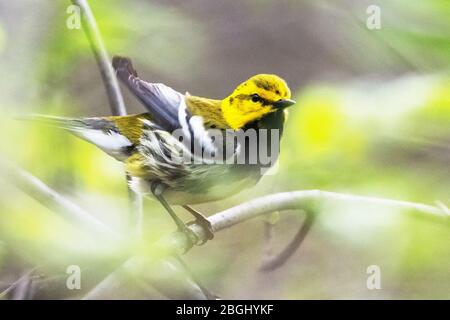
x=202 y=221
x=207 y=228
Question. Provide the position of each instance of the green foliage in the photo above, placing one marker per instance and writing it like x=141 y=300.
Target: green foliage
x=387 y=136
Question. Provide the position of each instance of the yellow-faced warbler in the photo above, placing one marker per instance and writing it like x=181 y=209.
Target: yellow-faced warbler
x=174 y=151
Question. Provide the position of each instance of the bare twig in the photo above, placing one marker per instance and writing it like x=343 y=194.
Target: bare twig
x=115 y=98
x=101 y=55
x=178 y=243
x=443 y=207
x=166 y=276
x=268 y=235
x=19 y=287
x=22 y=289
x=272 y=262
x=208 y=294
x=53 y=200
x=109 y=285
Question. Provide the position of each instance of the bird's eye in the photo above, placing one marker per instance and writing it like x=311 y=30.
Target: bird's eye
x=255 y=97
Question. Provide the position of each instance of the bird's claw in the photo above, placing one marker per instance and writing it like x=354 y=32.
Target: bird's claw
x=207 y=227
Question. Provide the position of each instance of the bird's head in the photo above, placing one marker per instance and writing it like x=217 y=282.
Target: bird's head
x=255 y=98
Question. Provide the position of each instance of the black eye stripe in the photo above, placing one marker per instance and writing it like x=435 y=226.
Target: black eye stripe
x=263 y=101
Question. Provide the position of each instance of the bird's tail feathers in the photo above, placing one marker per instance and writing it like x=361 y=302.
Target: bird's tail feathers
x=71 y=124
x=101 y=132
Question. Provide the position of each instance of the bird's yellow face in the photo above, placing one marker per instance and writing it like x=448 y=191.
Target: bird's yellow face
x=253 y=99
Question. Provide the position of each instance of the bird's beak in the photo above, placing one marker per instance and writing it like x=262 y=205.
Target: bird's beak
x=283 y=103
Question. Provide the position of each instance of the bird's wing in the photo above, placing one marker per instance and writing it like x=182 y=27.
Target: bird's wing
x=166 y=106
x=161 y=101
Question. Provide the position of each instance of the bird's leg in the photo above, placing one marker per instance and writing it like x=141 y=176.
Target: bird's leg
x=202 y=221
x=157 y=190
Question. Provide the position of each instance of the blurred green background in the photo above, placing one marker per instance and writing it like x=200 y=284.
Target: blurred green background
x=372 y=118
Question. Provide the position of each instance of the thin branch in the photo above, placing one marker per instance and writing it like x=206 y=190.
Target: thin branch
x=168 y=277
x=178 y=243
x=101 y=55
x=19 y=287
x=176 y=283
x=115 y=98
x=268 y=241
x=109 y=285
x=268 y=235
x=271 y=263
x=208 y=294
x=22 y=290
x=53 y=200
x=171 y=279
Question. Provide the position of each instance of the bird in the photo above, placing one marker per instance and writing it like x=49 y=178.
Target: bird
x=156 y=160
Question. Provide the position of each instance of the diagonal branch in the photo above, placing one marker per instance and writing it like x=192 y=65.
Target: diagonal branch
x=101 y=55
x=22 y=284
x=53 y=200
x=167 y=276
x=115 y=98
